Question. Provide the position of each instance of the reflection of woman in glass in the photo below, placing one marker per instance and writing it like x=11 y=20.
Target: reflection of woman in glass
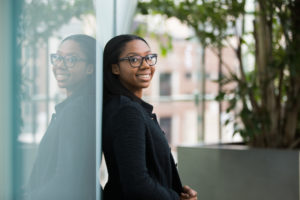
x=137 y=154
x=65 y=164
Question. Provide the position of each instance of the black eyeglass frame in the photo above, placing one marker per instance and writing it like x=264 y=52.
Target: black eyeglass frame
x=77 y=59
x=142 y=60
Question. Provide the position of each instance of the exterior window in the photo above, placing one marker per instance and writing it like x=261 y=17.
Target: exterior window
x=165 y=84
x=188 y=75
x=34 y=103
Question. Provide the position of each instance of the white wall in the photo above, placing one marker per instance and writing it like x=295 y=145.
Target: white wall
x=5 y=101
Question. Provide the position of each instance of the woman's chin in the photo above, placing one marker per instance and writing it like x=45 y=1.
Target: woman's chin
x=62 y=84
x=145 y=85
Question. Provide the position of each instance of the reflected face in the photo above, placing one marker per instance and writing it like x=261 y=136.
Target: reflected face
x=71 y=77
x=134 y=79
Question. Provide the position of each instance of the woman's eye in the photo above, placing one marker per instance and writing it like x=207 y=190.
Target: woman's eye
x=149 y=57
x=134 y=59
x=57 y=57
x=71 y=59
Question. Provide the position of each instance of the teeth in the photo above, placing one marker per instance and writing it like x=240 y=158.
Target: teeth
x=144 y=76
x=61 y=76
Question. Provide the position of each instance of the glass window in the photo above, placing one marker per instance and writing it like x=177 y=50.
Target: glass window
x=56 y=139
x=57 y=101
x=33 y=92
x=165 y=84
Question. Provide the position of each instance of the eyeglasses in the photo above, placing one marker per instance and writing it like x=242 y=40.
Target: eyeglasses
x=69 y=61
x=136 y=61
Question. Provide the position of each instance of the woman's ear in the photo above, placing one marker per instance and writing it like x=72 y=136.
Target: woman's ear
x=115 y=69
x=90 y=69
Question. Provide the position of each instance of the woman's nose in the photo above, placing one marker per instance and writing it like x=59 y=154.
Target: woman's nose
x=144 y=64
x=60 y=64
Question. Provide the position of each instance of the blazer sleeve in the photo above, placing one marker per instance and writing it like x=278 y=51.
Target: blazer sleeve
x=130 y=151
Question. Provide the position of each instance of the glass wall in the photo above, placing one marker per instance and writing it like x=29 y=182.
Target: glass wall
x=56 y=140
x=51 y=95
x=6 y=91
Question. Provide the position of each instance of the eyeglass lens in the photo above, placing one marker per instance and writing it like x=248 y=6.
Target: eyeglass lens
x=136 y=61
x=69 y=61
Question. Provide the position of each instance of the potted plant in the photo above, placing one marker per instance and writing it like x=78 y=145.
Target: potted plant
x=266 y=99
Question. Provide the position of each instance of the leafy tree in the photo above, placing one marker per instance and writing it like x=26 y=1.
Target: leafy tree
x=269 y=94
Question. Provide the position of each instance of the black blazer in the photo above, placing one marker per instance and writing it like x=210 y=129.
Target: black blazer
x=65 y=166
x=137 y=154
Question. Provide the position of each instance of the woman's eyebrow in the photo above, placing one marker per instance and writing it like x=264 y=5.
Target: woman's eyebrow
x=134 y=53
x=68 y=54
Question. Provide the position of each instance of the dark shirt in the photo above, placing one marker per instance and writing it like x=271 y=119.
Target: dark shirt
x=138 y=158
x=65 y=165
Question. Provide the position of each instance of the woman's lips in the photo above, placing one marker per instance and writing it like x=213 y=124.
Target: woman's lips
x=61 y=77
x=144 y=76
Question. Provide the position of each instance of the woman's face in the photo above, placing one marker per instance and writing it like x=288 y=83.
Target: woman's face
x=134 y=79
x=71 y=77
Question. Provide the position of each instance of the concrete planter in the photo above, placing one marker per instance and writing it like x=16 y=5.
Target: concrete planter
x=236 y=172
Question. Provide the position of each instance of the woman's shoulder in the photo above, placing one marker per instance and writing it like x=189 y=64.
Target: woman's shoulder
x=80 y=105
x=120 y=102
x=122 y=107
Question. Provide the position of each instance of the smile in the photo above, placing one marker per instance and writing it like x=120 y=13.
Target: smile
x=143 y=76
x=61 y=77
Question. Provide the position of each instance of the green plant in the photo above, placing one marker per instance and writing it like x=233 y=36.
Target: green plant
x=267 y=98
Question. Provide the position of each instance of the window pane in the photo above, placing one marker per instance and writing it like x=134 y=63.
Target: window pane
x=56 y=142
x=165 y=84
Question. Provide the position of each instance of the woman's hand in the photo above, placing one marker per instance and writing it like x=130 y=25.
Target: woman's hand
x=188 y=194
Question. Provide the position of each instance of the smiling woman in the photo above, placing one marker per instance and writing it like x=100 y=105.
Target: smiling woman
x=65 y=164
x=139 y=160
x=70 y=65
x=131 y=69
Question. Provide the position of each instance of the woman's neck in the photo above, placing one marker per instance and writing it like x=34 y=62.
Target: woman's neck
x=71 y=90
x=139 y=94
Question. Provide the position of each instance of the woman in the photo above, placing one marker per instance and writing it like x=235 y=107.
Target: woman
x=65 y=163
x=137 y=154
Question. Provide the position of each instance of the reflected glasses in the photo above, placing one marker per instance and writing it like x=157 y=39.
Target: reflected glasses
x=136 y=61
x=69 y=61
